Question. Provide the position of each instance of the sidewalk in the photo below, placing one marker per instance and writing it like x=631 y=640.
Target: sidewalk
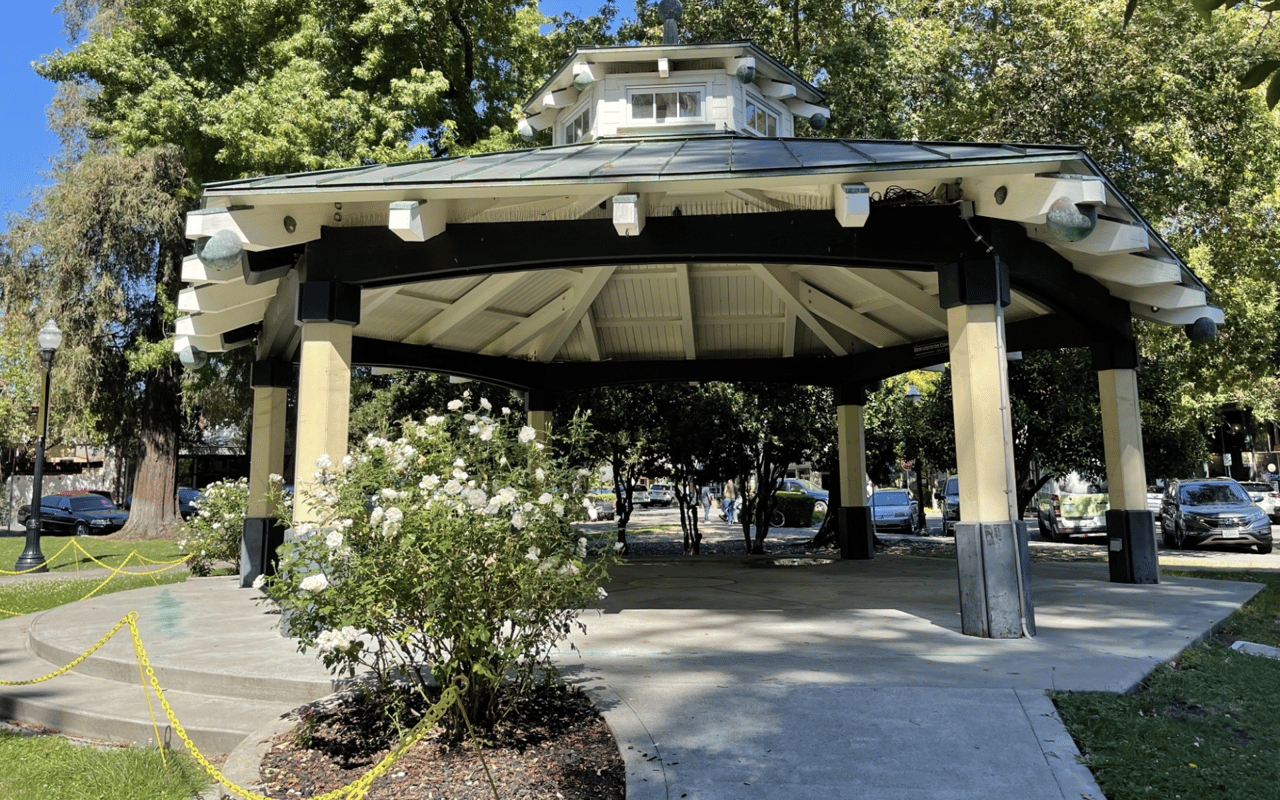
x=721 y=677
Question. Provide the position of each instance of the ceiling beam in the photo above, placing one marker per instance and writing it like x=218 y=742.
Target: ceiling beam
x=585 y=291
x=786 y=286
x=684 y=301
x=513 y=341
x=476 y=300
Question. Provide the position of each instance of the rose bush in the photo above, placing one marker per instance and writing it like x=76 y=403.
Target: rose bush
x=213 y=533
x=447 y=548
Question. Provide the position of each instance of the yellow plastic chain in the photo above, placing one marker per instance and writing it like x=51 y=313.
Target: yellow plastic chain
x=352 y=791
x=45 y=563
x=151 y=573
x=127 y=620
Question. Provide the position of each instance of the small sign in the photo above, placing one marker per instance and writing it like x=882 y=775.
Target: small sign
x=1226 y=459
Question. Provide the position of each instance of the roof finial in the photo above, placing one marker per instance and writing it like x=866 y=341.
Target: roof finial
x=670 y=11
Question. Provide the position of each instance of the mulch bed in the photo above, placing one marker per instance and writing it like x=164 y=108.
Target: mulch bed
x=556 y=745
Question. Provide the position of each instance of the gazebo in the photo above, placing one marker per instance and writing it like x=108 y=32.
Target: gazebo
x=677 y=230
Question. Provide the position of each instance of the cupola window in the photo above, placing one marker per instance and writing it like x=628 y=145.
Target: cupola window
x=759 y=119
x=579 y=128
x=666 y=105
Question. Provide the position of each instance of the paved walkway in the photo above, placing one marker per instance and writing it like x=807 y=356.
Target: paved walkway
x=728 y=677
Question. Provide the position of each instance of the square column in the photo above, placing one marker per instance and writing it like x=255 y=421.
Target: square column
x=328 y=312
x=540 y=412
x=855 y=531
x=992 y=559
x=1131 y=538
x=262 y=530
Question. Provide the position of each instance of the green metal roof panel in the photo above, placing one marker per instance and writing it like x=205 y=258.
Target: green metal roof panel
x=666 y=157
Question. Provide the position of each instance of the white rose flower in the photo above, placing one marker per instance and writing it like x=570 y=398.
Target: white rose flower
x=601 y=592
x=618 y=547
x=323 y=461
x=454 y=405
x=453 y=487
x=460 y=474
x=533 y=554
x=518 y=521
x=506 y=412
x=470 y=417
x=334 y=539
x=540 y=474
x=434 y=420
x=476 y=498
x=429 y=482
x=314 y=583
x=582 y=547
x=260 y=581
x=545 y=498
x=389 y=494
x=527 y=434
x=559 y=509
x=485 y=404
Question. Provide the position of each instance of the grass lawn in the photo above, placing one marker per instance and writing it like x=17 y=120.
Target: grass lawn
x=1205 y=727
x=64 y=558
x=51 y=768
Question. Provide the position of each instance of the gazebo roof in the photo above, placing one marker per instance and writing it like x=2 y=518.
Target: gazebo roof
x=671 y=249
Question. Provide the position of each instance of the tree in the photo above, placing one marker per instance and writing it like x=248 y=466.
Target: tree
x=100 y=252
x=776 y=426
x=216 y=89
x=621 y=431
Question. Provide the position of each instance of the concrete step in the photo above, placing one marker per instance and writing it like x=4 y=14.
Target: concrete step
x=216 y=654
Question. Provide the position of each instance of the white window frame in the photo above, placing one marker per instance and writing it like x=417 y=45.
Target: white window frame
x=752 y=99
x=704 y=97
x=577 y=114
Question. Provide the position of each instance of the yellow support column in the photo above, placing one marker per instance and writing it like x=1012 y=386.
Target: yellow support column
x=540 y=412
x=262 y=535
x=992 y=558
x=855 y=532
x=328 y=312
x=1131 y=536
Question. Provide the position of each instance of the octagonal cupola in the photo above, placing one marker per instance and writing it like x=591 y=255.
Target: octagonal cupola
x=671 y=89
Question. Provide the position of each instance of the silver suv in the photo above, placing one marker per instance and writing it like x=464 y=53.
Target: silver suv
x=950 y=506
x=1265 y=496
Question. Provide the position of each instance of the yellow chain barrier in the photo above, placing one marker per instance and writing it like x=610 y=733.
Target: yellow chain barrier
x=115 y=571
x=351 y=791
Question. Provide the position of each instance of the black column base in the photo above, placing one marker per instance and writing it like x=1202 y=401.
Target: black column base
x=994 y=568
x=855 y=533
x=1131 y=547
x=262 y=537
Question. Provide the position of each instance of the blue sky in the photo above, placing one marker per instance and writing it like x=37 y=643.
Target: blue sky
x=31 y=30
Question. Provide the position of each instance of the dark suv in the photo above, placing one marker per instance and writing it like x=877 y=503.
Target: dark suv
x=950 y=506
x=1212 y=511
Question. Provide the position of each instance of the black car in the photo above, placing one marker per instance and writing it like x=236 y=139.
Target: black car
x=81 y=514
x=1212 y=511
x=950 y=506
x=187 y=498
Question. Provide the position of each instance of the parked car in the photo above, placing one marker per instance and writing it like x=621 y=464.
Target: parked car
x=893 y=509
x=821 y=497
x=187 y=498
x=603 y=500
x=1212 y=511
x=1154 y=497
x=950 y=506
x=80 y=514
x=1072 y=506
x=24 y=511
x=660 y=494
x=1265 y=496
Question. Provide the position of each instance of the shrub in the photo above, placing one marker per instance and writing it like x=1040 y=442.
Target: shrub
x=797 y=508
x=447 y=547
x=213 y=534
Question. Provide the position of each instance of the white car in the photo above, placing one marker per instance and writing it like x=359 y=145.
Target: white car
x=1265 y=496
x=661 y=494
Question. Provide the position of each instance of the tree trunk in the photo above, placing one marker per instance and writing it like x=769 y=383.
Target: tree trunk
x=154 y=511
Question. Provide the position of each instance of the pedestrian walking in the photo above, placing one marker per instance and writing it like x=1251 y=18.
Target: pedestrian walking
x=728 y=501
x=706 y=503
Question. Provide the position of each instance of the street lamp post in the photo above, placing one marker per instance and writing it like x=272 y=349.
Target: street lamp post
x=913 y=395
x=32 y=560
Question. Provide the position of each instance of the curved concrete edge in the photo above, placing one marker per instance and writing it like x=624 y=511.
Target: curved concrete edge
x=1060 y=752
x=243 y=763
x=646 y=777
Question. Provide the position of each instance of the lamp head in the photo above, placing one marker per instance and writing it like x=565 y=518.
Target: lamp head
x=50 y=337
x=913 y=394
